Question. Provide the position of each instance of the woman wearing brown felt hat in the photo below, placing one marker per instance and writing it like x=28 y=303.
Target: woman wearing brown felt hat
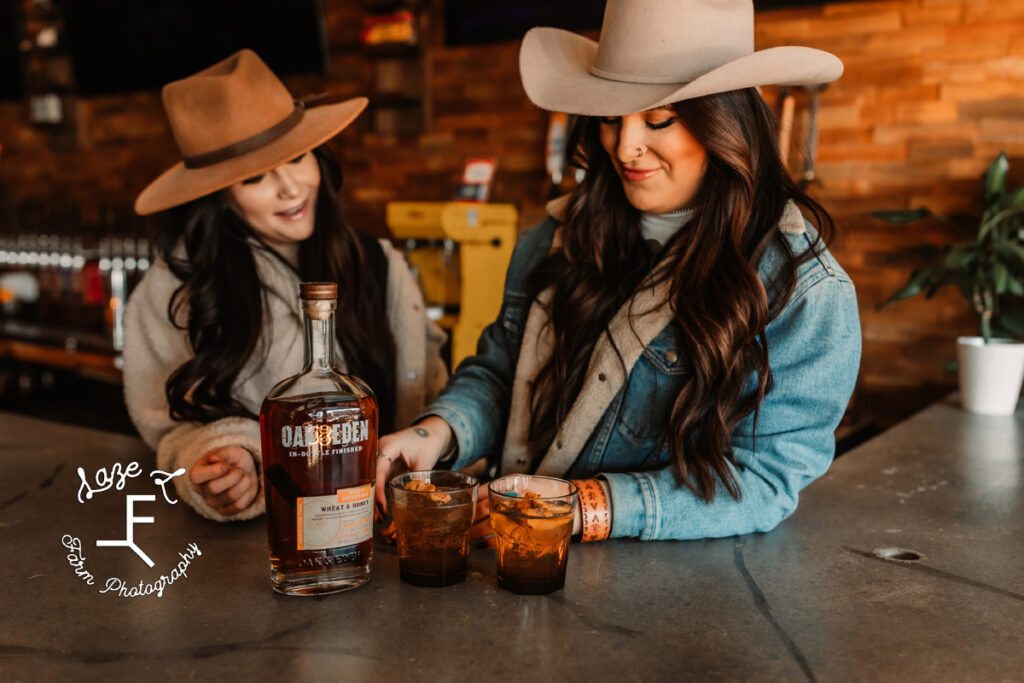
x=676 y=337
x=250 y=211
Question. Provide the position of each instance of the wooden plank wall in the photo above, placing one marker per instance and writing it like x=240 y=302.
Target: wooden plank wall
x=933 y=90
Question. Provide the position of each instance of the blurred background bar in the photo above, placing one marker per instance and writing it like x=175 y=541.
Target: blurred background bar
x=932 y=93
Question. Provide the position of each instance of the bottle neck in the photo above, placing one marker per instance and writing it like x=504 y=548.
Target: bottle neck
x=318 y=325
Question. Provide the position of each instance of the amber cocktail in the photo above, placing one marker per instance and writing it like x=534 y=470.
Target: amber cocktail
x=433 y=512
x=532 y=520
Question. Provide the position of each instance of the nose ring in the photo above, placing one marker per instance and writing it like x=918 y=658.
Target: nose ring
x=640 y=150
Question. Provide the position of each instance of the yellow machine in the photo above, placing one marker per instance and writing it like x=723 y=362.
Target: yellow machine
x=485 y=235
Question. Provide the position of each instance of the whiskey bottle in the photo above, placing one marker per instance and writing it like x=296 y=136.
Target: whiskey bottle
x=319 y=439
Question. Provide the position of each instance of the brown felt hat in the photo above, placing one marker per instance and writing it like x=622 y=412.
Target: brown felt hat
x=236 y=120
x=655 y=52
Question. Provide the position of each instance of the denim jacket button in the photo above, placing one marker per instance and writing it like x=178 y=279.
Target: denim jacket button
x=558 y=444
x=602 y=377
x=671 y=356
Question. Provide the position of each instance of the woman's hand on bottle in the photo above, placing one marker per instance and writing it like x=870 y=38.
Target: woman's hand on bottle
x=417 y=448
x=226 y=479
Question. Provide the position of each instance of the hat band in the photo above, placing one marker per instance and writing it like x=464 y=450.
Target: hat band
x=237 y=149
x=248 y=144
x=637 y=78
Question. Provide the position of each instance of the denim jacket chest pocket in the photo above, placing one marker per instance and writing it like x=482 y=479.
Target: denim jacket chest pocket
x=651 y=389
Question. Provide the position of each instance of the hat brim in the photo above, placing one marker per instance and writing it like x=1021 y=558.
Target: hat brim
x=178 y=184
x=555 y=69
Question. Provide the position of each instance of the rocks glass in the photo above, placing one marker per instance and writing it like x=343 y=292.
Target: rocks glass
x=532 y=519
x=433 y=511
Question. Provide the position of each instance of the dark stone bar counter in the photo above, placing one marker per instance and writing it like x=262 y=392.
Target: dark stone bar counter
x=905 y=562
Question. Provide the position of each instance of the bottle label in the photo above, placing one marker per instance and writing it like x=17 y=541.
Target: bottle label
x=334 y=521
x=312 y=439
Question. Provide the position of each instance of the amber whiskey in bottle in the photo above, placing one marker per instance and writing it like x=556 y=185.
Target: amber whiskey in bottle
x=319 y=439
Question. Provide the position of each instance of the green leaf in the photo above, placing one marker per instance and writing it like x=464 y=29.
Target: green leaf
x=1001 y=276
x=951 y=366
x=1013 y=321
x=986 y=227
x=1016 y=198
x=957 y=257
x=995 y=179
x=1005 y=217
x=957 y=278
x=1015 y=286
x=902 y=216
x=919 y=281
x=1010 y=253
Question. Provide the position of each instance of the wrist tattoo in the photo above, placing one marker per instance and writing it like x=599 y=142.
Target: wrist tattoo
x=421 y=432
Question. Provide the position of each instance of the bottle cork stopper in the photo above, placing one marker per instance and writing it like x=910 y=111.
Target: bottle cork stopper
x=318 y=290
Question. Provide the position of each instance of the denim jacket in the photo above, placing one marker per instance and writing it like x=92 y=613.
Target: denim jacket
x=814 y=351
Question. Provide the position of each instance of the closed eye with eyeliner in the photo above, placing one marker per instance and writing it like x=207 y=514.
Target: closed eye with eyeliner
x=660 y=163
x=280 y=205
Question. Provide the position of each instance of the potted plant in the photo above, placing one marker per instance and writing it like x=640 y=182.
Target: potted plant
x=989 y=272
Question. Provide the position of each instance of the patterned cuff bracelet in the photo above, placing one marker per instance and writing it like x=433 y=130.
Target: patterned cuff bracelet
x=597 y=519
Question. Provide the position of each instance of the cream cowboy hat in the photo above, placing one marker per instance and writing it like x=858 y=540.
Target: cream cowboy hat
x=236 y=120
x=654 y=52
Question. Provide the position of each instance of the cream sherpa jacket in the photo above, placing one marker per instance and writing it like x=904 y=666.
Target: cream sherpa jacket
x=154 y=348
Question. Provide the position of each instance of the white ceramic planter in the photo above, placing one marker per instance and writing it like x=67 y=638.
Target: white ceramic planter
x=990 y=374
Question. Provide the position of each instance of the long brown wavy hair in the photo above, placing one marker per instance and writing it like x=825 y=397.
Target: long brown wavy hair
x=719 y=304
x=223 y=303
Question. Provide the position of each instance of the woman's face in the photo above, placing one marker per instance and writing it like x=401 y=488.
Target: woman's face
x=660 y=163
x=279 y=205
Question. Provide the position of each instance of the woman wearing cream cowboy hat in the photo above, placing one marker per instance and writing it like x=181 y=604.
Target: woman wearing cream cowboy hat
x=675 y=336
x=250 y=211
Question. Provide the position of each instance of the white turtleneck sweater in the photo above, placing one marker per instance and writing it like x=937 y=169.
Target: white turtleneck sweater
x=660 y=227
